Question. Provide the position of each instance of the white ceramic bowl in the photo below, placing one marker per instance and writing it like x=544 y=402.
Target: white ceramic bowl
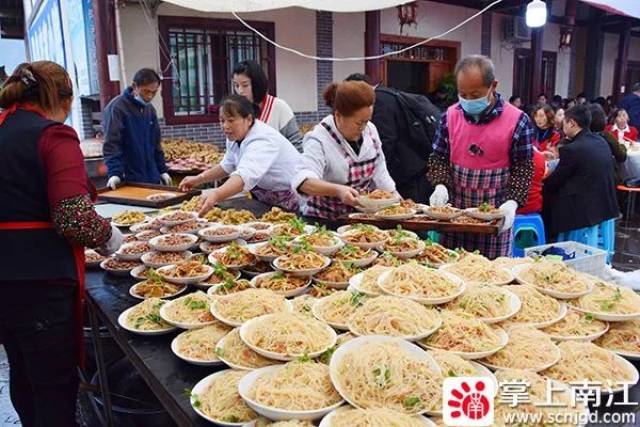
x=165 y=219
x=324 y=250
x=306 y=272
x=250 y=324
x=443 y=216
x=260 y=226
x=162 y=272
x=233 y=323
x=142 y=235
x=409 y=254
x=157 y=244
x=355 y=345
x=129 y=257
x=333 y=285
x=609 y=317
x=368 y=245
x=509 y=279
x=484 y=216
x=176 y=351
x=237 y=232
x=315 y=310
x=253 y=248
x=518 y=270
x=423 y=300
x=399 y=217
x=161 y=196
x=197 y=225
x=375 y=204
x=355 y=281
x=274 y=413
x=288 y=294
x=504 y=338
x=556 y=358
x=629 y=355
x=149 y=224
x=214 y=260
x=586 y=338
x=199 y=388
x=122 y=225
x=182 y=325
x=119 y=273
x=93 y=264
x=412 y=338
x=123 y=324
x=136 y=272
x=327 y=420
x=363 y=262
x=146 y=259
x=514 y=303
x=132 y=292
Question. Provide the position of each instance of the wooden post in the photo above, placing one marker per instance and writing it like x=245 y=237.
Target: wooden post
x=621 y=62
x=106 y=44
x=536 y=64
x=372 y=45
x=485 y=38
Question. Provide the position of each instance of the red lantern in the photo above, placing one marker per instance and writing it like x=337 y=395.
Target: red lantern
x=407 y=14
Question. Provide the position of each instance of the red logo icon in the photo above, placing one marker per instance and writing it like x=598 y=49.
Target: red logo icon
x=468 y=401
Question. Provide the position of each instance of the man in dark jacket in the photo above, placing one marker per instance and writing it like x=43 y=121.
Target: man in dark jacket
x=406 y=137
x=132 y=149
x=581 y=191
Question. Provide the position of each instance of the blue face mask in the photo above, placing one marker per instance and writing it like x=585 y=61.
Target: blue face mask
x=141 y=100
x=474 y=106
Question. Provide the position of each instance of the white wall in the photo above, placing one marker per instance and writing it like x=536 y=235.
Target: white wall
x=296 y=28
x=348 y=40
x=13 y=53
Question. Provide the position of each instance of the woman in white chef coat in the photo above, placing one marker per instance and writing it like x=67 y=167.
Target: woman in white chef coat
x=258 y=159
x=342 y=155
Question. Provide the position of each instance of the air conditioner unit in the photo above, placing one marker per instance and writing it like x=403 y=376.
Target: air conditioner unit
x=514 y=28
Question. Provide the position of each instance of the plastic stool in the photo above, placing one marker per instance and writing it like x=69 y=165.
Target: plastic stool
x=607 y=237
x=587 y=236
x=434 y=236
x=531 y=223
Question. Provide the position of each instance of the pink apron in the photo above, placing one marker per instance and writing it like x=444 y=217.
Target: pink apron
x=360 y=179
x=480 y=162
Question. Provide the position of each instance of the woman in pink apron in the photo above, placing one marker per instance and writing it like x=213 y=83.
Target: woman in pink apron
x=258 y=159
x=342 y=155
x=482 y=154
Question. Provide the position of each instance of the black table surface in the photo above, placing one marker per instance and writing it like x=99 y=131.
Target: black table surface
x=167 y=375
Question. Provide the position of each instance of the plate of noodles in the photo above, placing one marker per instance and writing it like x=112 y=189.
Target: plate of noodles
x=336 y=309
x=228 y=287
x=237 y=308
x=302 y=263
x=421 y=284
x=198 y=346
x=396 y=213
x=337 y=275
x=354 y=417
x=367 y=281
x=235 y=353
x=287 y=336
x=364 y=236
x=215 y=398
x=528 y=348
x=144 y=318
x=186 y=272
x=475 y=269
x=491 y=304
x=609 y=302
x=585 y=361
x=536 y=309
x=553 y=278
x=233 y=256
x=377 y=199
x=577 y=326
x=394 y=317
x=190 y=311
x=466 y=336
x=298 y=390
x=284 y=284
x=375 y=371
x=622 y=338
x=435 y=255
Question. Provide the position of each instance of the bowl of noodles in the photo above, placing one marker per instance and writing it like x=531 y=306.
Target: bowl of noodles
x=190 y=311
x=284 y=284
x=475 y=269
x=298 y=390
x=435 y=255
x=376 y=371
x=528 y=348
x=367 y=281
x=536 y=309
x=336 y=309
x=237 y=308
x=622 y=338
x=491 y=304
x=466 y=336
x=609 y=302
x=287 y=336
x=186 y=272
x=578 y=326
x=235 y=353
x=228 y=287
x=198 y=346
x=377 y=199
x=144 y=318
x=377 y=417
x=393 y=317
x=553 y=278
x=302 y=263
x=421 y=284
x=215 y=398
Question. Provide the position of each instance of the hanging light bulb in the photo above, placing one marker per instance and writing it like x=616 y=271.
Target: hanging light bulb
x=536 y=15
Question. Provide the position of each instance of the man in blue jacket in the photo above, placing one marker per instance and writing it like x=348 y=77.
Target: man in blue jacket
x=132 y=149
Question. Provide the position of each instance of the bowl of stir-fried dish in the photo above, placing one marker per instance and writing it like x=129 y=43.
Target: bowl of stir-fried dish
x=337 y=275
x=302 y=263
x=485 y=212
x=186 y=272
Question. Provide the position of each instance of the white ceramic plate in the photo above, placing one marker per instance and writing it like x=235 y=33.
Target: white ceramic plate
x=196 y=226
x=162 y=272
x=260 y=226
x=424 y=300
x=94 y=264
x=135 y=273
x=234 y=323
x=556 y=359
x=274 y=413
x=407 y=233
x=519 y=269
x=504 y=338
x=609 y=317
x=368 y=245
x=119 y=273
x=327 y=420
x=376 y=204
x=400 y=217
x=164 y=219
x=355 y=281
x=307 y=272
x=509 y=279
x=237 y=232
x=123 y=324
x=132 y=292
x=145 y=259
x=333 y=285
x=288 y=294
x=629 y=355
x=182 y=325
x=409 y=254
x=325 y=250
x=160 y=197
x=121 y=225
x=355 y=344
x=206 y=285
x=561 y=315
x=174 y=349
x=317 y=315
x=443 y=216
x=363 y=262
x=213 y=260
x=156 y=243
x=142 y=236
x=418 y=337
x=199 y=388
x=142 y=226
x=253 y=248
x=586 y=338
x=484 y=216
x=248 y=325
x=515 y=304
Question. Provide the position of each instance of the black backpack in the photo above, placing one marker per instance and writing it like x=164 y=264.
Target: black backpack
x=422 y=118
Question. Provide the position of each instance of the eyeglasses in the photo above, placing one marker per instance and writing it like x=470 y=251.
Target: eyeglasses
x=475 y=150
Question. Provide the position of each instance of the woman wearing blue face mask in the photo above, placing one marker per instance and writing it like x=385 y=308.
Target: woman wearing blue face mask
x=482 y=154
x=132 y=148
